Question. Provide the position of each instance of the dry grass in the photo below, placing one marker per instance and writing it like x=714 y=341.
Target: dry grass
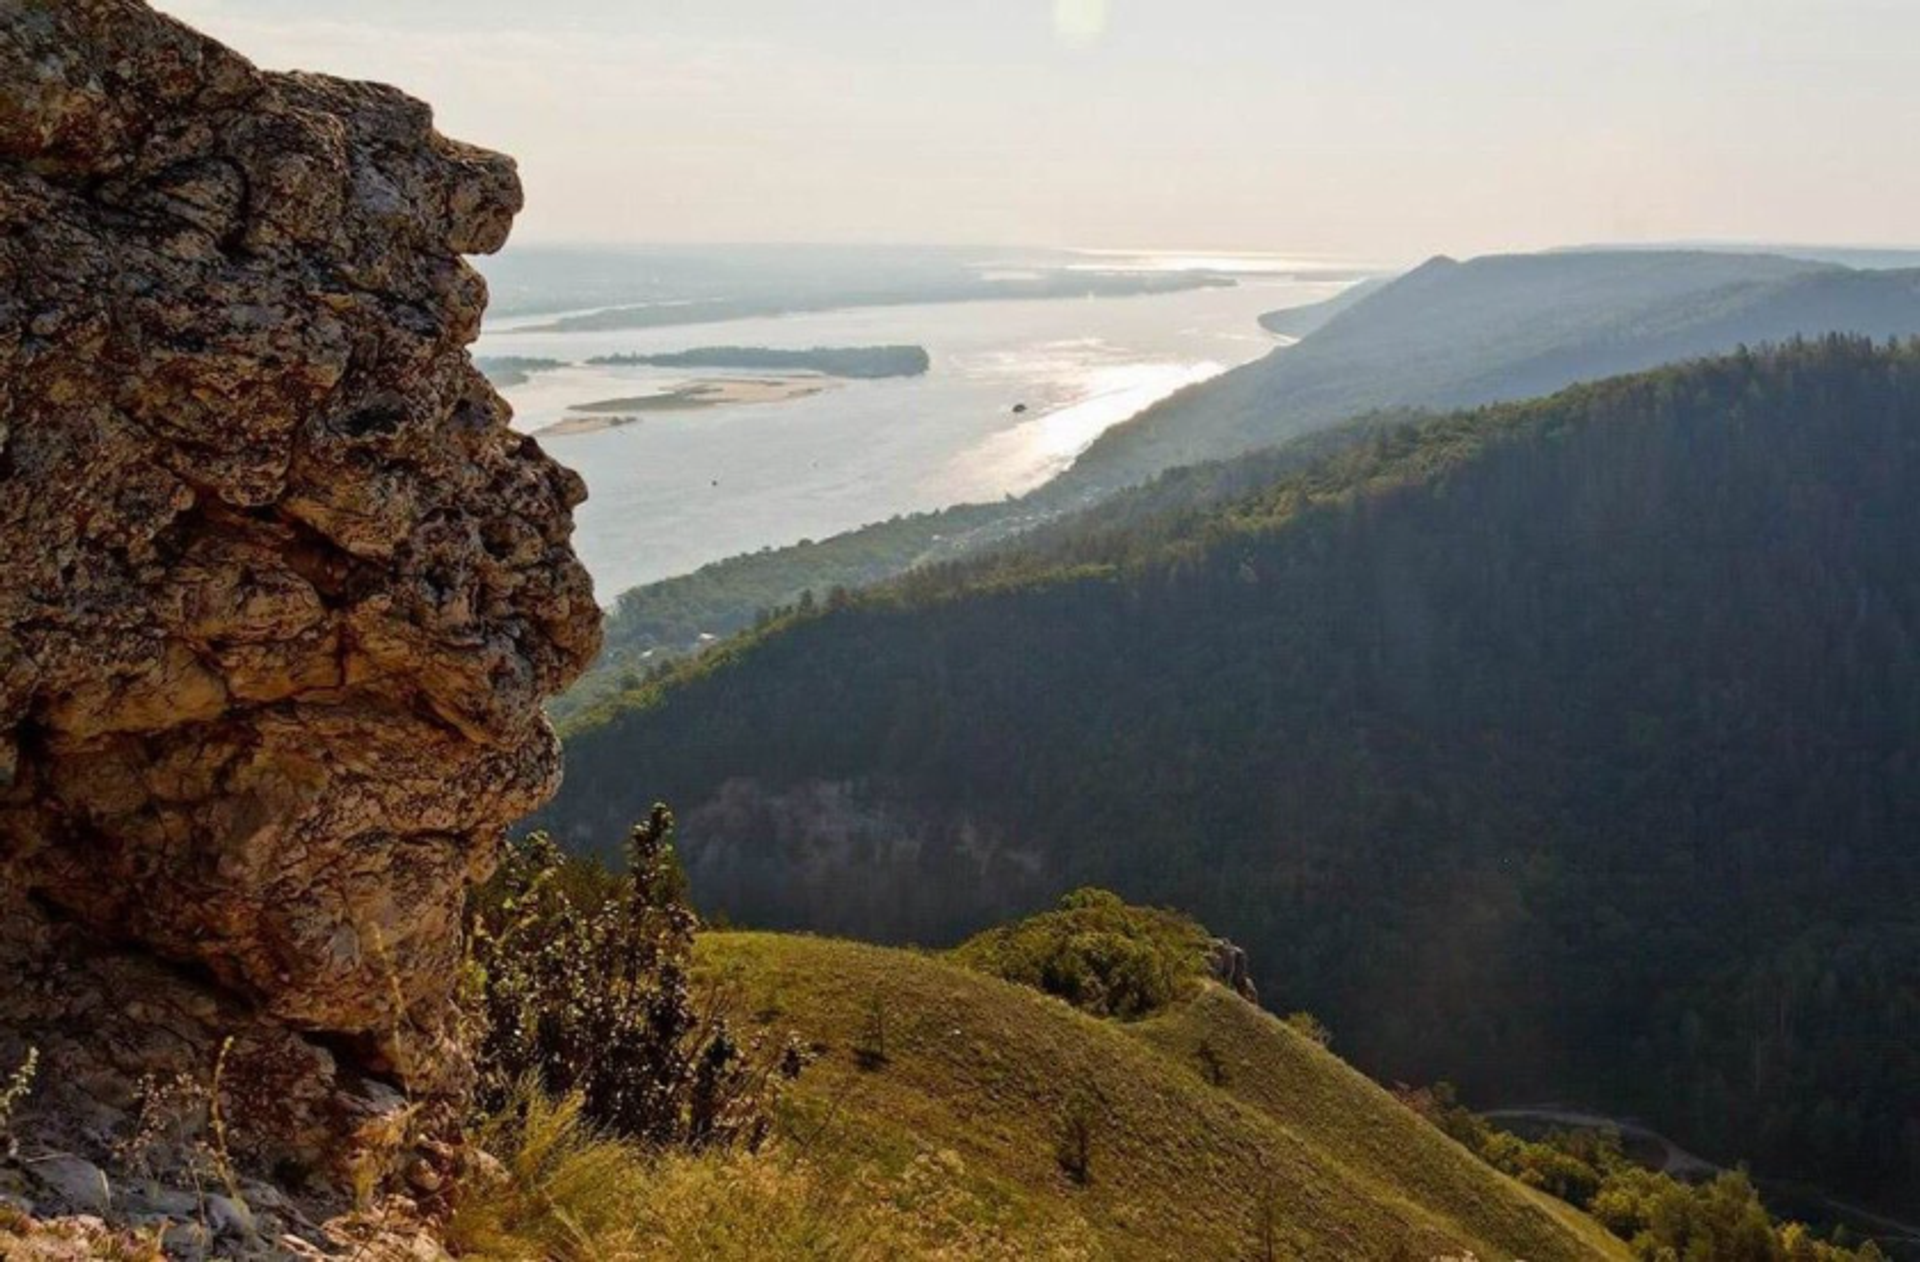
x=72 y=1240
x=1296 y=1150
x=949 y=1147
x=568 y=1195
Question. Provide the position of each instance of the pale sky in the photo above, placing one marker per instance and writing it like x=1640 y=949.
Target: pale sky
x=1377 y=129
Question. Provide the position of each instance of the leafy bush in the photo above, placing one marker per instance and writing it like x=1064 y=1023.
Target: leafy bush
x=578 y=984
x=1097 y=953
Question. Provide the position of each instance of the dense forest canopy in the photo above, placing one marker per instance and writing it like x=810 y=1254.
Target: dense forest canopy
x=1566 y=749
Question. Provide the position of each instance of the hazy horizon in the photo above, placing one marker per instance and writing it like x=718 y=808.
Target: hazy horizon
x=1219 y=125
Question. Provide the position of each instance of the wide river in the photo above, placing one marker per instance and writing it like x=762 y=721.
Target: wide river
x=678 y=489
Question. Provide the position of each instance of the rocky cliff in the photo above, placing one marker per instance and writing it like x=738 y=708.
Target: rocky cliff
x=280 y=596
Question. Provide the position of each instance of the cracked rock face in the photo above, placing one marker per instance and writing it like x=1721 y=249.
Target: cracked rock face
x=280 y=591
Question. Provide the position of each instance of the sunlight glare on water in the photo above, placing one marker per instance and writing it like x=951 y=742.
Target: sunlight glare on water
x=1036 y=451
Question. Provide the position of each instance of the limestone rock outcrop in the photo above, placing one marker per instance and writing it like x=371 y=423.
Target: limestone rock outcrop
x=1227 y=964
x=280 y=591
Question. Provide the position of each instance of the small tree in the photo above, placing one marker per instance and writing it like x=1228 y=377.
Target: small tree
x=1080 y=1121
x=1266 y=1221
x=1212 y=1064
x=579 y=983
x=870 y=1053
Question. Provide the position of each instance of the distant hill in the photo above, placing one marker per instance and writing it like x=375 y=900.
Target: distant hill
x=1451 y=334
x=961 y=1085
x=1564 y=749
x=1297 y=322
x=1862 y=256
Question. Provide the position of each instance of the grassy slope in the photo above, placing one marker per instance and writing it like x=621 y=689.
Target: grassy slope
x=979 y=1072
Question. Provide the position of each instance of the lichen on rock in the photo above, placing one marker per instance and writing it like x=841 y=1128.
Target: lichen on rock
x=281 y=593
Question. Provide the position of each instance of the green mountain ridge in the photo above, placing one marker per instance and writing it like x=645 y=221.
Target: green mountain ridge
x=1500 y=328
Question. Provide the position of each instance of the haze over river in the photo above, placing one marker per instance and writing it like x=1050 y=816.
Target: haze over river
x=675 y=490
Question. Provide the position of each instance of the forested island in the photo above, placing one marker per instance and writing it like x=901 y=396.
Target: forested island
x=859 y=363
x=514 y=370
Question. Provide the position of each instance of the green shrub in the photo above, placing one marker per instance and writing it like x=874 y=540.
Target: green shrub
x=579 y=987
x=1097 y=953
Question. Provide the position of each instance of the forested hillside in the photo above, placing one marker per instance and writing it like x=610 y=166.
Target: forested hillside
x=669 y=617
x=1446 y=335
x=1565 y=749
